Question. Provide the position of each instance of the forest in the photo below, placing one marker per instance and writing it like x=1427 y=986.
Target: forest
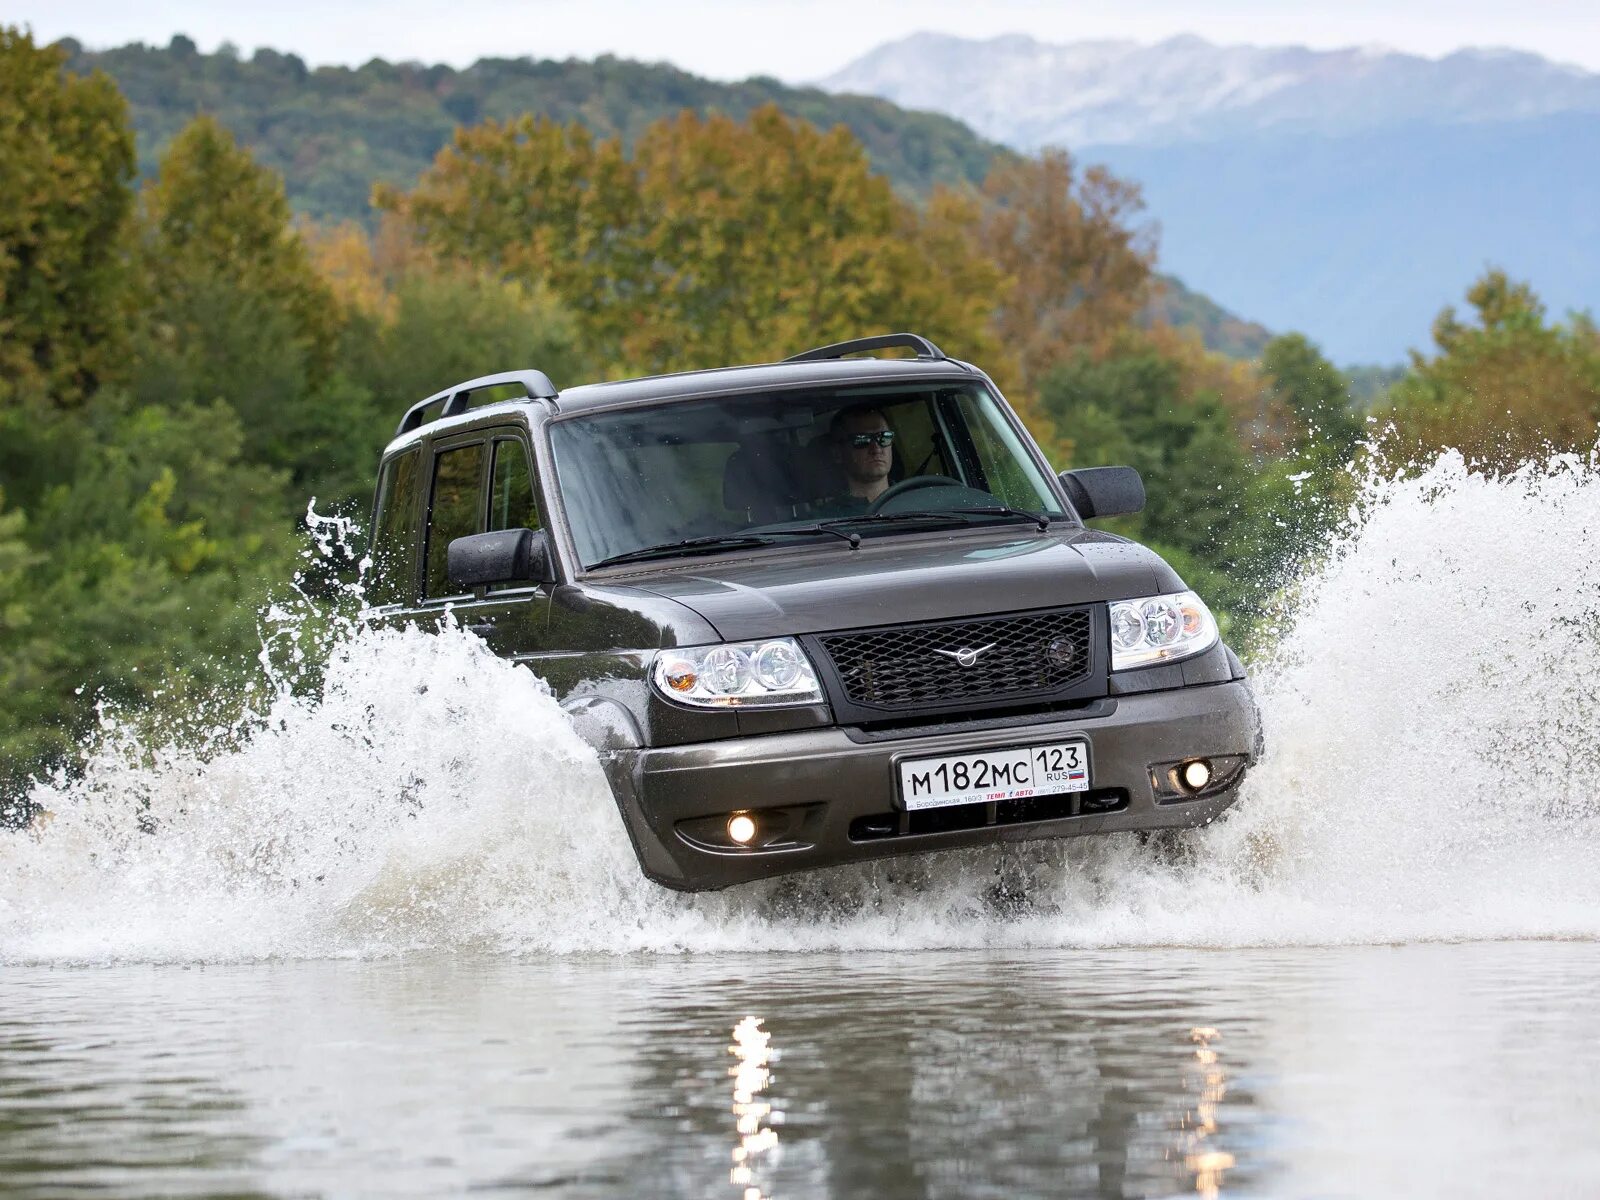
x=187 y=364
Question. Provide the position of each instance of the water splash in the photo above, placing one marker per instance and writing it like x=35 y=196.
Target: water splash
x=1433 y=748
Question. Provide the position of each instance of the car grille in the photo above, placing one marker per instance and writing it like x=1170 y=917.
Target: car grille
x=917 y=666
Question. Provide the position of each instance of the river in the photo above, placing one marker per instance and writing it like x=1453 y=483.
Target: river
x=389 y=939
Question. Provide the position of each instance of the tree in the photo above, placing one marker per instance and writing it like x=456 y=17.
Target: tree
x=213 y=215
x=1076 y=268
x=450 y=324
x=715 y=242
x=154 y=555
x=66 y=159
x=1508 y=388
x=1129 y=409
x=527 y=199
x=237 y=312
x=1315 y=394
x=1303 y=494
x=770 y=236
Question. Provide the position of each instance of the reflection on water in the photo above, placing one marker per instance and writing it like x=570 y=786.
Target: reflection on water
x=753 y=1119
x=1201 y=1156
x=927 y=1076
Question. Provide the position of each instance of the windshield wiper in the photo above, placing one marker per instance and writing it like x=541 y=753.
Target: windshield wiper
x=1042 y=520
x=720 y=541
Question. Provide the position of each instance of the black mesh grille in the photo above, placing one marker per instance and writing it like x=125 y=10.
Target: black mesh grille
x=912 y=666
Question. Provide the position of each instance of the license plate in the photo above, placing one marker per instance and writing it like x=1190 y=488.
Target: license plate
x=988 y=775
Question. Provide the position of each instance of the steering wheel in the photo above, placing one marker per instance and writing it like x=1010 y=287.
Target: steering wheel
x=911 y=485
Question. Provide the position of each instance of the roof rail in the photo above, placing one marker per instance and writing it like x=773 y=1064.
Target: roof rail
x=536 y=383
x=909 y=341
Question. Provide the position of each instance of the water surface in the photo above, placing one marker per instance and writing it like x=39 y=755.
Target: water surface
x=1463 y=1069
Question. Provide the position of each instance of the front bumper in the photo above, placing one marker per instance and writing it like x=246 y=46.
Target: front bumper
x=833 y=790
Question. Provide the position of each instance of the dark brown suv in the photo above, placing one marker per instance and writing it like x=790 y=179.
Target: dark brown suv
x=818 y=611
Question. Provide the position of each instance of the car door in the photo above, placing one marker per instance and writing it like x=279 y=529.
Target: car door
x=480 y=485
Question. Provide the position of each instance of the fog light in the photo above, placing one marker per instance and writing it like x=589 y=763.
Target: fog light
x=741 y=829
x=1196 y=774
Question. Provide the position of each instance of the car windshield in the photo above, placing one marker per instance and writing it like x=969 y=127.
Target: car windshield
x=690 y=477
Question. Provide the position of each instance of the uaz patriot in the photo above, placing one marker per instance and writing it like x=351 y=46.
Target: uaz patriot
x=815 y=612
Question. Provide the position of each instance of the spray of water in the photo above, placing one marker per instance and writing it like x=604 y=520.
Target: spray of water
x=1433 y=749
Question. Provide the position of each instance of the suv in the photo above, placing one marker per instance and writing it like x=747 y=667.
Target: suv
x=819 y=611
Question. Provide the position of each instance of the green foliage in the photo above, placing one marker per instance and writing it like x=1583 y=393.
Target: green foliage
x=1370 y=384
x=141 y=585
x=334 y=132
x=236 y=311
x=66 y=157
x=1306 y=492
x=1130 y=410
x=215 y=220
x=1508 y=387
x=447 y=325
x=1316 y=395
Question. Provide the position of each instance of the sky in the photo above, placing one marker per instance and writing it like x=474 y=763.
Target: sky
x=796 y=40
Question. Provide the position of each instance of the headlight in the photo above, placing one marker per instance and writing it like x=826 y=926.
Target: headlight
x=1159 y=629
x=775 y=671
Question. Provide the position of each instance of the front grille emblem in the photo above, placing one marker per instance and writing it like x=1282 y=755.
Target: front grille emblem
x=965 y=656
x=1063 y=652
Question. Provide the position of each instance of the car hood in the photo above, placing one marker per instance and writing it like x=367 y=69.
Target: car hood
x=911 y=577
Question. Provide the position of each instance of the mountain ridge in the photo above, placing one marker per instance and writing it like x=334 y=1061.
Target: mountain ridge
x=1027 y=93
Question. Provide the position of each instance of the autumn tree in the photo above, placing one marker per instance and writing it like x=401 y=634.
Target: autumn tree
x=533 y=200
x=770 y=236
x=715 y=241
x=66 y=160
x=1076 y=266
x=1503 y=388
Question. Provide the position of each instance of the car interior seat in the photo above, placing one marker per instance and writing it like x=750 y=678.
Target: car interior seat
x=760 y=482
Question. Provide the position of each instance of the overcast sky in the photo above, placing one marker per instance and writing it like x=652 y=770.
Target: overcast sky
x=796 y=40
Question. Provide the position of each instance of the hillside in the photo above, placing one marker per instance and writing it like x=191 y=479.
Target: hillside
x=1222 y=331
x=334 y=131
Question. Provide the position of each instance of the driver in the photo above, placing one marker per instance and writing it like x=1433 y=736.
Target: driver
x=863 y=446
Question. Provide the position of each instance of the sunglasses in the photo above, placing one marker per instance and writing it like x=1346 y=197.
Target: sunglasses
x=884 y=437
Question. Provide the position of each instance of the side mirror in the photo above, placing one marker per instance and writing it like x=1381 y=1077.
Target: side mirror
x=1104 y=491
x=505 y=556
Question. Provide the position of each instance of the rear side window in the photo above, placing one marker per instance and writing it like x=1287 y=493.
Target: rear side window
x=511 y=504
x=453 y=509
x=392 y=578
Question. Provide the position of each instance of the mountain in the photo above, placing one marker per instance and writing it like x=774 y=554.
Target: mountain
x=1028 y=94
x=1347 y=193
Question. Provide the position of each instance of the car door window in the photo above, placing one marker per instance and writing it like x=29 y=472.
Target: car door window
x=1006 y=470
x=511 y=503
x=454 y=509
x=392 y=578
